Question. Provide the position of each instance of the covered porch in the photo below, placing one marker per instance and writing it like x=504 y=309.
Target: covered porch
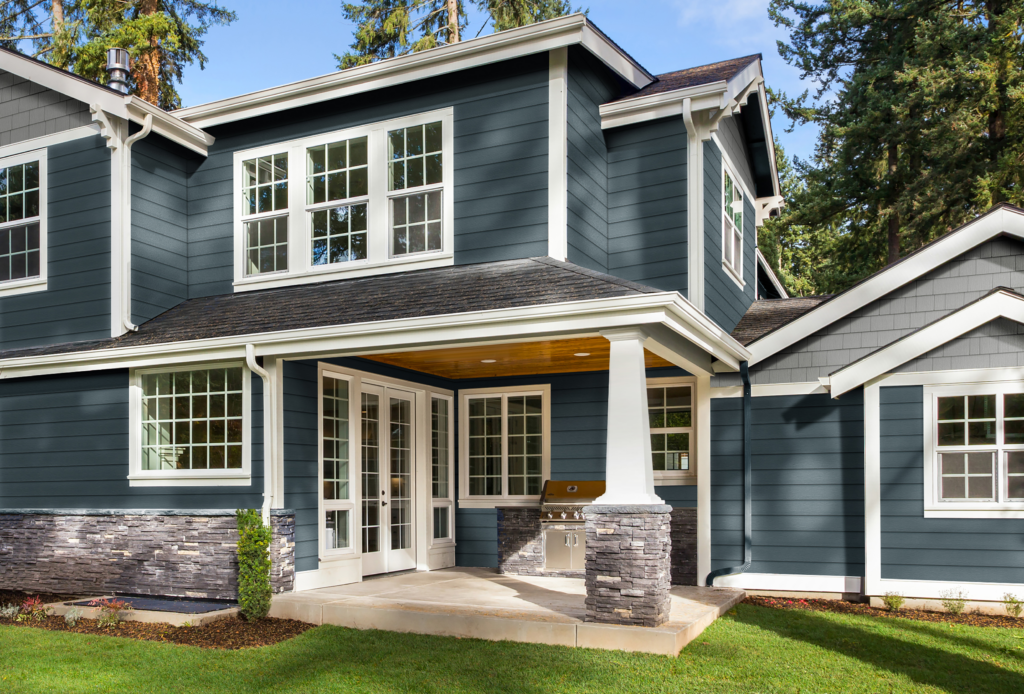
x=481 y=603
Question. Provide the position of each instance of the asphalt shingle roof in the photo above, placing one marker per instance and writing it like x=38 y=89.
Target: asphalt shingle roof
x=767 y=315
x=434 y=292
x=695 y=76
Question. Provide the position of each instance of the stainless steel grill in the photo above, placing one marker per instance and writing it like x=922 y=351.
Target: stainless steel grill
x=561 y=517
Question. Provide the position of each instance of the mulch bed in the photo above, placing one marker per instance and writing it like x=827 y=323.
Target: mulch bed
x=841 y=607
x=231 y=633
x=17 y=597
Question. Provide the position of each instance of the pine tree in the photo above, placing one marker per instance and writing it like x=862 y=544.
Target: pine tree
x=389 y=28
x=918 y=105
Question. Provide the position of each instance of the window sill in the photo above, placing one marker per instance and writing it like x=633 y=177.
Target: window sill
x=733 y=276
x=498 y=502
x=357 y=269
x=442 y=544
x=26 y=286
x=243 y=480
x=1004 y=511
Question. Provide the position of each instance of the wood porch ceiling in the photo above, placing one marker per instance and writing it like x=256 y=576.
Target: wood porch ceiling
x=517 y=359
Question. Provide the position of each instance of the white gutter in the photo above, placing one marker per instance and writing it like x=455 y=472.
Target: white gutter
x=269 y=430
x=126 y=223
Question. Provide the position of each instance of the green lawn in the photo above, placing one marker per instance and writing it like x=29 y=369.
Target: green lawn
x=752 y=649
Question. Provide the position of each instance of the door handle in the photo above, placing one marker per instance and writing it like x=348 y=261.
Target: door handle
x=575 y=539
x=567 y=540
x=383 y=503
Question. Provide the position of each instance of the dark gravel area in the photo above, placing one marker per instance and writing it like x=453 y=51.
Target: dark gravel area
x=17 y=597
x=841 y=607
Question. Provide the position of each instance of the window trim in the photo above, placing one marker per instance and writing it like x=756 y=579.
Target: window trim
x=727 y=167
x=932 y=473
x=38 y=283
x=676 y=478
x=379 y=258
x=446 y=501
x=353 y=503
x=137 y=477
x=466 y=500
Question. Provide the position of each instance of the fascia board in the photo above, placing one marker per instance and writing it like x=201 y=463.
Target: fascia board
x=169 y=126
x=704 y=332
x=741 y=80
x=645 y=108
x=505 y=45
x=986 y=227
x=769 y=138
x=411 y=333
x=997 y=305
x=771 y=275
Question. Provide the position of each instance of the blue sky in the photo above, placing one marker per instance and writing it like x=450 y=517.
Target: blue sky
x=263 y=50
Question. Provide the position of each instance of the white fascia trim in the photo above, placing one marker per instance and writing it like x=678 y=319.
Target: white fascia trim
x=49 y=140
x=558 y=153
x=956 y=243
x=771 y=275
x=770 y=390
x=796 y=583
x=169 y=126
x=996 y=305
x=505 y=45
x=934 y=589
x=409 y=334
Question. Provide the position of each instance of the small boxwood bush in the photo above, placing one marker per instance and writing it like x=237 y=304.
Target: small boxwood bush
x=893 y=601
x=253 y=565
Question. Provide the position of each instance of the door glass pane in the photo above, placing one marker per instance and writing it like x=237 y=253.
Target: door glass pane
x=371 y=472
x=439 y=448
x=335 y=439
x=401 y=473
x=336 y=536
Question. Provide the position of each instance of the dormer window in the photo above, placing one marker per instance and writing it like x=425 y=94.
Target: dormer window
x=23 y=223
x=363 y=200
x=732 y=226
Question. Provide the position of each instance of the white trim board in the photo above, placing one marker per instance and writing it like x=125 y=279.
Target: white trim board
x=769 y=389
x=558 y=153
x=997 y=304
x=934 y=589
x=768 y=270
x=797 y=583
x=986 y=227
x=504 y=45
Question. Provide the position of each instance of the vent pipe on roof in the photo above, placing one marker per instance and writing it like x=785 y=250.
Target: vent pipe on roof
x=118 y=67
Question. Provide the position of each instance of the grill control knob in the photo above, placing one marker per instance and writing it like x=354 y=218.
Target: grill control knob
x=576 y=514
x=549 y=515
x=563 y=514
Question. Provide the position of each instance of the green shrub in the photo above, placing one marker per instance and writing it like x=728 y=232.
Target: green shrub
x=112 y=612
x=72 y=617
x=954 y=600
x=1014 y=605
x=893 y=602
x=253 y=565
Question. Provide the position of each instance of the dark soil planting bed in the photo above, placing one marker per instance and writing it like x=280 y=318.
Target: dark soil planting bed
x=841 y=607
x=17 y=597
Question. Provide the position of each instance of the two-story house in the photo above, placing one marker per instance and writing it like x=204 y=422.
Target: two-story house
x=387 y=305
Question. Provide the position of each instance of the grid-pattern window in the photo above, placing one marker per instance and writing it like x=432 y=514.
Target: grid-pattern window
x=439 y=448
x=416 y=223
x=967 y=420
x=338 y=172
x=400 y=449
x=670 y=409
x=1015 y=475
x=414 y=156
x=371 y=472
x=485 y=449
x=525 y=444
x=968 y=476
x=732 y=225
x=335 y=439
x=265 y=211
x=19 y=221
x=192 y=420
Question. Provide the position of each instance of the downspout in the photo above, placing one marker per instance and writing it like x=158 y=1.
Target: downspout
x=747 y=513
x=268 y=431
x=126 y=223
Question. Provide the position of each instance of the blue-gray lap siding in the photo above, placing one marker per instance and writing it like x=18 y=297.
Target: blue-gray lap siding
x=159 y=227
x=725 y=301
x=590 y=84
x=807 y=479
x=579 y=405
x=987 y=550
x=64 y=445
x=76 y=303
x=647 y=203
x=500 y=161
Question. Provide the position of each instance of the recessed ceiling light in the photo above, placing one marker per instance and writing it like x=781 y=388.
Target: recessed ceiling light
x=488 y=361
x=582 y=354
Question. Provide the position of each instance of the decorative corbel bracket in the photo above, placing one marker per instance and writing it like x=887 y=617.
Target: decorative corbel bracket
x=107 y=131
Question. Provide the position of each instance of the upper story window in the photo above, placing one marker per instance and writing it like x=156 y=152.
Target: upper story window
x=505 y=454
x=670 y=409
x=976 y=456
x=23 y=222
x=190 y=425
x=360 y=200
x=732 y=224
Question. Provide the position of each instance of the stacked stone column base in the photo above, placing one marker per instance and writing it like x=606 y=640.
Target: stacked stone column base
x=628 y=564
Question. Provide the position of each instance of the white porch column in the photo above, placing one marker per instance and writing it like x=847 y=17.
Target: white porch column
x=629 y=473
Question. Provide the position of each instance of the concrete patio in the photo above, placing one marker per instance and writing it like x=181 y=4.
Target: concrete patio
x=482 y=604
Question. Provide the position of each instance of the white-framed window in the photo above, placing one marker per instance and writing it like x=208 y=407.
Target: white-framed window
x=190 y=426
x=442 y=458
x=732 y=224
x=670 y=406
x=23 y=222
x=974 y=447
x=505 y=445
x=346 y=204
x=338 y=516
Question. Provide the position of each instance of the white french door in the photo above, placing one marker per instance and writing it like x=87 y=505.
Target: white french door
x=387 y=479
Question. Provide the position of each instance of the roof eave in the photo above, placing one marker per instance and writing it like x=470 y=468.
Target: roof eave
x=505 y=45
